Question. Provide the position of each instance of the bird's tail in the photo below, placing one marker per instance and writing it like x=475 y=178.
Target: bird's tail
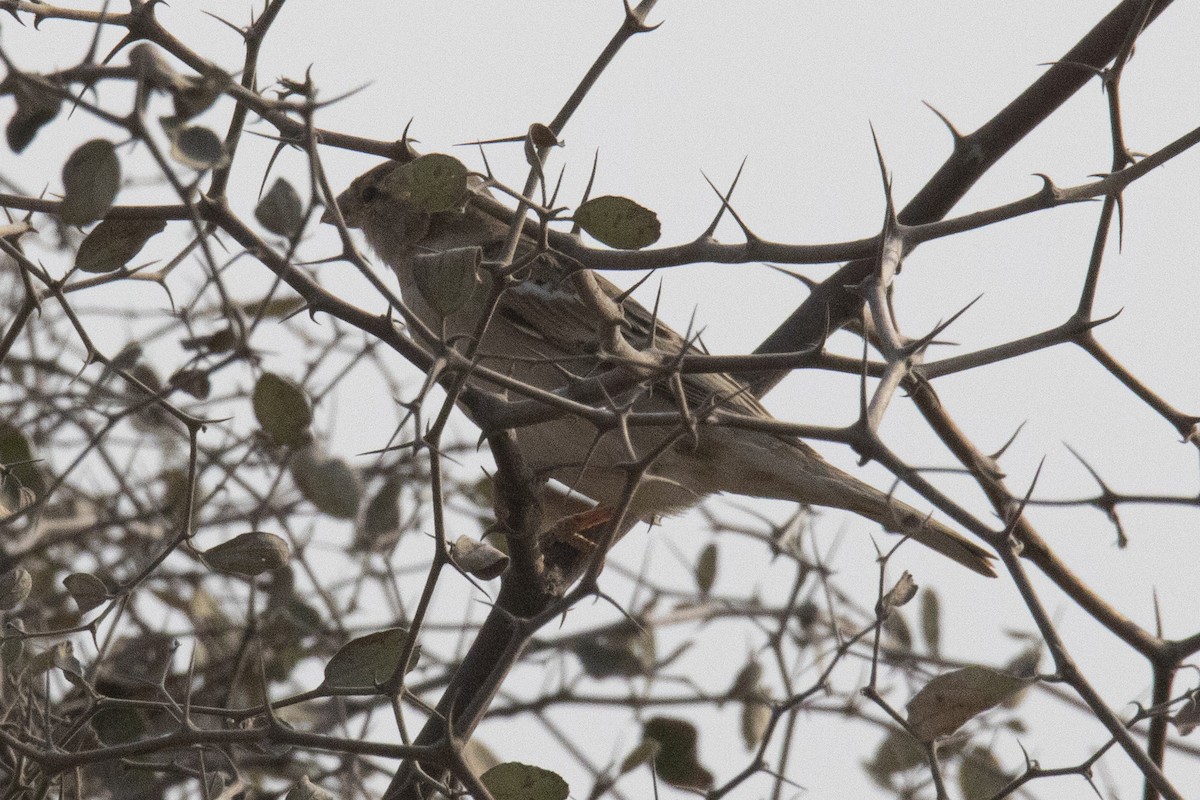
x=787 y=469
x=902 y=518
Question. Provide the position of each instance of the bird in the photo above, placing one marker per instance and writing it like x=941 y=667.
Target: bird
x=545 y=334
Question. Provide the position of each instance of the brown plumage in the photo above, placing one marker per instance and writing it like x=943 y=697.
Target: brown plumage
x=544 y=334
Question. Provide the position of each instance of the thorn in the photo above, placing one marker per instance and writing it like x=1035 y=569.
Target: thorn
x=587 y=190
x=712 y=227
x=1120 y=200
x=807 y=281
x=749 y=234
x=1004 y=447
x=958 y=137
x=928 y=339
x=481 y=142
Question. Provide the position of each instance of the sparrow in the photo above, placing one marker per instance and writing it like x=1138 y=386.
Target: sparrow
x=544 y=333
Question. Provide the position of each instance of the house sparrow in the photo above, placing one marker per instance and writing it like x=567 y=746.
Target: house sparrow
x=544 y=333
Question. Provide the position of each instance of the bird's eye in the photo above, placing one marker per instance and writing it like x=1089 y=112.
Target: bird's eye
x=369 y=193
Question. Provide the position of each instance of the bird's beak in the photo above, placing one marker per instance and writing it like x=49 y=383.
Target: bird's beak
x=330 y=216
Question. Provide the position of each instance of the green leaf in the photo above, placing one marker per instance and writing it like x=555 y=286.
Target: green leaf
x=36 y=107
x=280 y=210
x=898 y=752
x=283 y=409
x=274 y=307
x=431 y=183
x=447 y=279
x=624 y=654
x=380 y=526
x=677 y=762
x=330 y=484
x=248 y=554
x=619 y=222
x=745 y=684
x=114 y=242
x=14 y=588
x=931 y=621
x=644 y=753
x=86 y=590
x=194 y=95
x=1024 y=665
x=91 y=178
x=196 y=147
x=896 y=626
x=948 y=701
x=118 y=725
x=706 y=569
x=980 y=775
x=756 y=716
x=17 y=456
x=515 y=781
x=368 y=661
x=192 y=381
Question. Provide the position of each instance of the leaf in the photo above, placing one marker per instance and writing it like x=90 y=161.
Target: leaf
x=1024 y=665
x=17 y=456
x=86 y=590
x=677 y=762
x=756 y=716
x=980 y=775
x=194 y=95
x=514 y=781
x=248 y=554
x=12 y=647
x=330 y=484
x=280 y=210
x=706 y=569
x=431 y=183
x=274 y=307
x=447 y=279
x=91 y=178
x=114 y=242
x=283 y=409
x=626 y=654
x=745 y=684
x=479 y=559
x=1187 y=718
x=196 y=147
x=904 y=590
x=380 y=526
x=36 y=106
x=931 y=621
x=898 y=752
x=897 y=628
x=368 y=661
x=192 y=381
x=118 y=725
x=645 y=752
x=948 y=701
x=14 y=588
x=307 y=790
x=619 y=222
x=541 y=136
